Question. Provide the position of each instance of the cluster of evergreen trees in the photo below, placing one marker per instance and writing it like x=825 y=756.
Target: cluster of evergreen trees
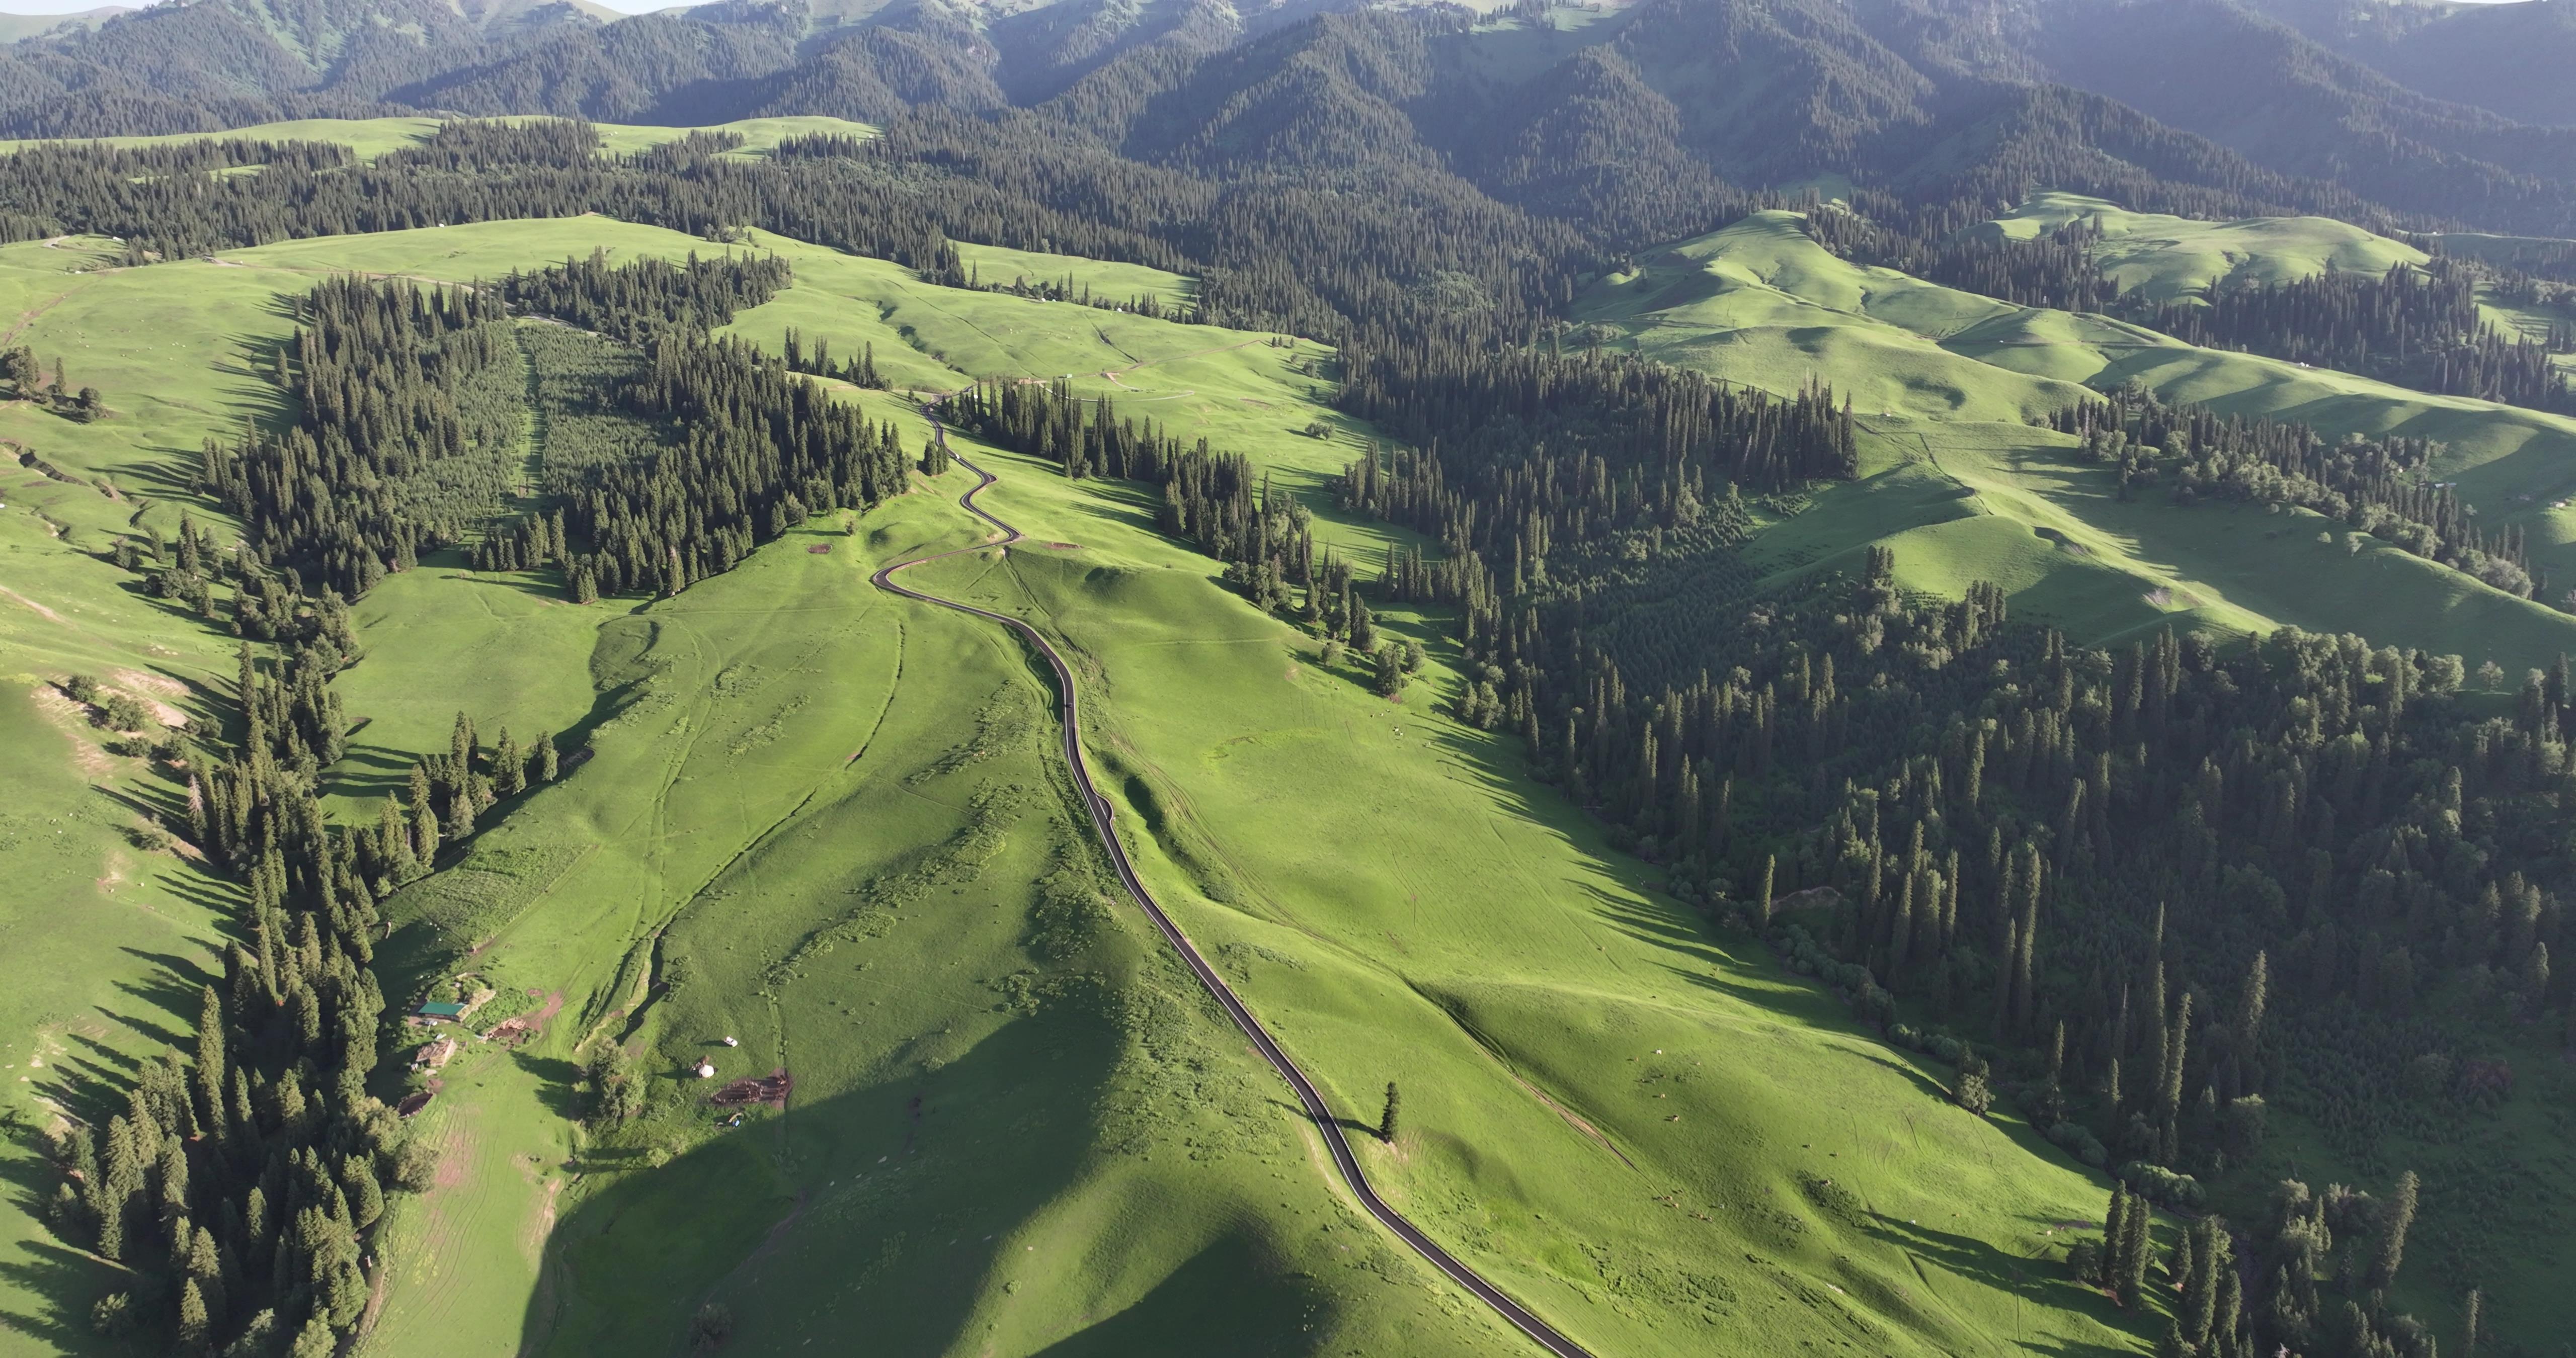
x=410 y=411
x=239 y=1184
x=264 y=605
x=2375 y=486
x=2049 y=272
x=2170 y=882
x=2522 y=262
x=858 y=372
x=184 y=200
x=448 y=791
x=407 y=424
x=1064 y=289
x=27 y=380
x=1524 y=457
x=1538 y=422
x=2284 y=1287
x=630 y=302
x=2418 y=327
x=1209 y=497
x=757 y=450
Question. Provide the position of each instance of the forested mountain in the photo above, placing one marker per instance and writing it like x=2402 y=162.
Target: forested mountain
x=1638 y=106
x=197 y=67
x=2510 y=58
x=216 y=63
x=2294 y=106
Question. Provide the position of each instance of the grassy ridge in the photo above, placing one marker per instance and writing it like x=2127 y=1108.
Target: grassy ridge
x=780 y=842
x=2070 y=551
x=1386 y=885
x=777 y=671
x=2171 y=258
x=1623 y=1118
x=1365 y=1024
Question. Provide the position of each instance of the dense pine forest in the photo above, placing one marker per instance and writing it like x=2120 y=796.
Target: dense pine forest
x=409 y=412
x=239 y=1185
x=2417 y=327
x=2161 y=885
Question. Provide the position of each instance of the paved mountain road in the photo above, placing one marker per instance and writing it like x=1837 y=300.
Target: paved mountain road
x=1344 y=1158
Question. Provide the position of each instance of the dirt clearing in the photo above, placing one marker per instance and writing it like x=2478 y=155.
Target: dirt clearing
x=770 y=1089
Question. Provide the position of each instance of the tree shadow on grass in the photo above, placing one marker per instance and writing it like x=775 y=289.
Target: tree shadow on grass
x=1923 y=1083
x=91 y=1088
x=1350 y=1126
x=170 y=473
x=559 y=1083
x=370 y=771
x=163 y=1034
x=199 y=887
x=545 y=583
x=175 y=984
x=2043 y=1282
x=163 y=805
x=65 y=1283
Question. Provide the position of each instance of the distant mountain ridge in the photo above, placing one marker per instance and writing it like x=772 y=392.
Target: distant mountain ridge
x=15 y=27
x=197 y=65
x=2514 y=59
x=1646 y=111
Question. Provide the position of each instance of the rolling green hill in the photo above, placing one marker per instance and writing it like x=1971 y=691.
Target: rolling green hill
x=817 y=831
x=1944 y=380
x=2171 y=258
x=829 y=826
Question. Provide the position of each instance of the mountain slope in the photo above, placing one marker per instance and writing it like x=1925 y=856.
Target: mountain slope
x=1762 y=304
x=2510 y=58
x=2262 y=88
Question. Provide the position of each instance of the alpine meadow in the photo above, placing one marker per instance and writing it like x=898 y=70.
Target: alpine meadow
x=1626 y=679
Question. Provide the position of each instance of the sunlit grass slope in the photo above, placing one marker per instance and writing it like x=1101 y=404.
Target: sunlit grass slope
x=1074 y=1094
x=2171 y=258
x=829 y=825
x=1626 y=1119
x=826 y=823
x=107 y=935
x=1761 y=304
x=2069 y=549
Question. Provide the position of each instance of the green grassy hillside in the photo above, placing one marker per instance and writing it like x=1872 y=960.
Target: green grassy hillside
x=1645 y=1128
x=1761 y=304
x=1945 y=379
x=2172 y=258
x=825 y=824
x=830 y=826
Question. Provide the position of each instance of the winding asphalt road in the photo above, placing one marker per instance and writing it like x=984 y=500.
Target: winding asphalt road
x=1520 y=1317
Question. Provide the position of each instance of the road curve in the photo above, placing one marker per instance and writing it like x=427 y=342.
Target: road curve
x=1348 y=1163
